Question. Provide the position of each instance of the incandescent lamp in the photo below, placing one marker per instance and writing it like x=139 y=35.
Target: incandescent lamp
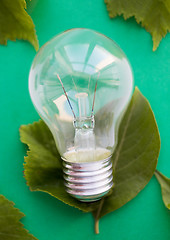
x=80 y=83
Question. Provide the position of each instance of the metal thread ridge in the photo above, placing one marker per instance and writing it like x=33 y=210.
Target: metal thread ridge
x=90 y=181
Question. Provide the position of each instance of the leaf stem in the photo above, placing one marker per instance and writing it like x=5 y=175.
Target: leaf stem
x=96 y=225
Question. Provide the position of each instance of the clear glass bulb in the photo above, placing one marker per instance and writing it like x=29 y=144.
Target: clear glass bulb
x=80 y=83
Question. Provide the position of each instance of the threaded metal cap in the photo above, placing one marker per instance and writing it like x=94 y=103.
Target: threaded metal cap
x=90 y=181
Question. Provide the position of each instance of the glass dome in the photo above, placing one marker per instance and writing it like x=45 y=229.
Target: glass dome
x=80 y=83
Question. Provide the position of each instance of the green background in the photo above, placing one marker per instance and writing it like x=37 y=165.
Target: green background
x=145 y=217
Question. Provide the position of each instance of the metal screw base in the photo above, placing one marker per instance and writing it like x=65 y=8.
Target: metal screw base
x=88 y=182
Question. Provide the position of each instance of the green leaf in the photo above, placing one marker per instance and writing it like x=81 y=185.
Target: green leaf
x=43 y=167
x=134 y=159
x=165 y=187
x=153 y=15
x=10 y=226
x=15 y=23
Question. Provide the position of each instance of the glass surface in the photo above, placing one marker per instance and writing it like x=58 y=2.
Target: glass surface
x=80 y=83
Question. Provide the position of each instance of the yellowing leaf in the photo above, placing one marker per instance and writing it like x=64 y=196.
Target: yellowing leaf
x=165 y=187
x=15 y=23
x=10 y=226
x=154 y=15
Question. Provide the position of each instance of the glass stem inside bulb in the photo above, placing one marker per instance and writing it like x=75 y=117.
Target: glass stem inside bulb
x=82 y=103
x=84 y=140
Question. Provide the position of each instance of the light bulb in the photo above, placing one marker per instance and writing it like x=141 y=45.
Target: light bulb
x=80 y=83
